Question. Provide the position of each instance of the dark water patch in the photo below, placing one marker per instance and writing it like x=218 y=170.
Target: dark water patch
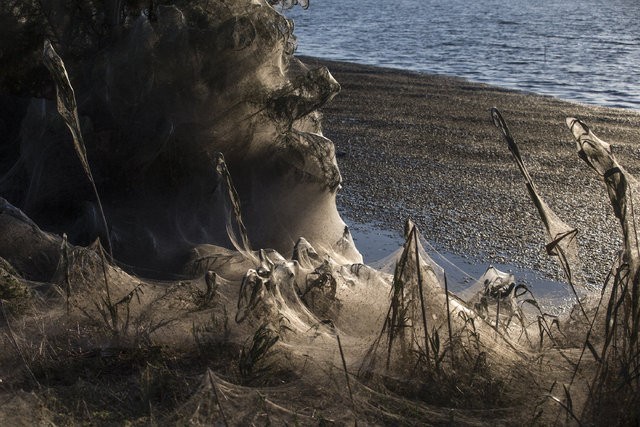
x=580 y=48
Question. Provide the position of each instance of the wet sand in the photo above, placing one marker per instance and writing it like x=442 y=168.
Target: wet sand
x=424 y=147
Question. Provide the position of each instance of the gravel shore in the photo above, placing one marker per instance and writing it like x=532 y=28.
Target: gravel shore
x=423 y=147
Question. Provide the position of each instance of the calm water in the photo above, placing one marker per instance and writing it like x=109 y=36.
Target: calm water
x=582 y=50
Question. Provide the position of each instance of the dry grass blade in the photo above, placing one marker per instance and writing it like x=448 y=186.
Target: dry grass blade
x=242 y=244
x=395 y=321
x=567 y=408
x=619 y=356
x=68 y=109
x=446 y=291
x=215 y=393
x=67 y=280
x=561 y=238
x=344 y=367
x=252 y=363
x=414 y=233
x=14 y=342
x=623 y=190
x=399 y=316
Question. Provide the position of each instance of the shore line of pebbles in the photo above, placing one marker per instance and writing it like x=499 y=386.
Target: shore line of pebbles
x=423 y=147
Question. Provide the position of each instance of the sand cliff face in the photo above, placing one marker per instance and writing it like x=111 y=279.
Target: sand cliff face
x=156 y=105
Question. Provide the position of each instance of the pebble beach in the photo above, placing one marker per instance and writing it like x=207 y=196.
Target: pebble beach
x=421 y=146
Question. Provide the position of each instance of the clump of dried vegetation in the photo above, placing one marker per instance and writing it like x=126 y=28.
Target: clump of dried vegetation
x=98 y=345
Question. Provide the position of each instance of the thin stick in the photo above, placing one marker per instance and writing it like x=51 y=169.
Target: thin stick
x=215 y=393
x=243 y=246
x=446 y=291
x=346 y=376
x=344 y=367
x=67 y=274
x=498 y=314
x=554 y=246
x=422 y=305
x=395 y=300
x=68 y=109
x=113 y=308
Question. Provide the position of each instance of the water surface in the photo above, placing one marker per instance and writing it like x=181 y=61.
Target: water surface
x=586 y=51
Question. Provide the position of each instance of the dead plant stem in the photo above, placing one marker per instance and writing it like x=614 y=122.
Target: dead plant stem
x=422 y=304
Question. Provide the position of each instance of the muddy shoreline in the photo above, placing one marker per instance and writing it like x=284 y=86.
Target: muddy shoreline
x=421 y=146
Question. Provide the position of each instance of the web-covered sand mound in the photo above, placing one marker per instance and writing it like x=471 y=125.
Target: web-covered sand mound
x=155 y=101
